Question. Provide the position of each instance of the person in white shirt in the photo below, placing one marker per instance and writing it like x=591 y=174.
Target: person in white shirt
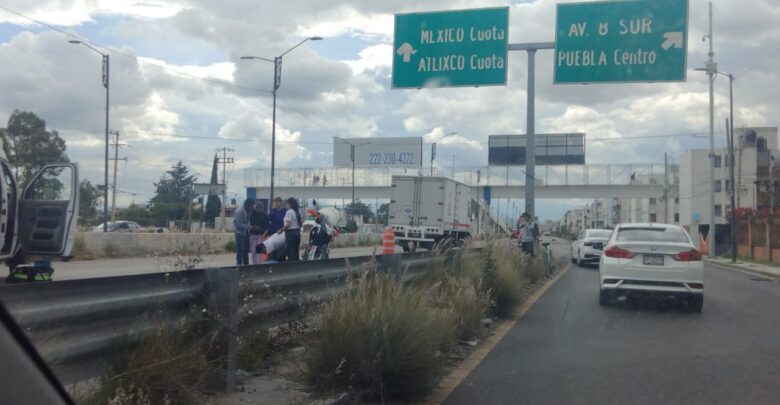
x=271 y=246
x=292 y=229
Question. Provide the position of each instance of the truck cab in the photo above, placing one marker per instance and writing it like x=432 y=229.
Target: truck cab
x=41 y=219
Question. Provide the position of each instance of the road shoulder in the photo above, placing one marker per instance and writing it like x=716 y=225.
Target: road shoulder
x=456 y=376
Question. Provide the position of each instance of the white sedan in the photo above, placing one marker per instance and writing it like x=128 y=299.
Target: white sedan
x=587 y=248
x=651 y=258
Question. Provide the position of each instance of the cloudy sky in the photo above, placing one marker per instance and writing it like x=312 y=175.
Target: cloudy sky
x=179 y=89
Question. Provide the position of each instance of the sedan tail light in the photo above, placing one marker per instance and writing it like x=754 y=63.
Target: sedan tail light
x=692 y=255
x=588 y=243
x=619 y=253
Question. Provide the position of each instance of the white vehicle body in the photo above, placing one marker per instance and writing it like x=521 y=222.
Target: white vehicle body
x=425 y=210
x=651 y=258
x=41 y=219
x=586 y=248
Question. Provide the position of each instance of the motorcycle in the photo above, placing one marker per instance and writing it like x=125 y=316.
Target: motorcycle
x=318 y=247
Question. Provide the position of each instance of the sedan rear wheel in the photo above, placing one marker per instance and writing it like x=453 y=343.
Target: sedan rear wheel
x=696 y=303
x=604 y=298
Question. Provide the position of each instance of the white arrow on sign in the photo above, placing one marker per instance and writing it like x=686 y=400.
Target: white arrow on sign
x=672 y=40
x=407 y=51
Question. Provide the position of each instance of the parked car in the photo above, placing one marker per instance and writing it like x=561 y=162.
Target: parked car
x=655 y=259
x=587 y=247
x=120 y=226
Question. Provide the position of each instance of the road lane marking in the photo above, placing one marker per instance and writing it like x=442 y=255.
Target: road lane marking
x=456 y=377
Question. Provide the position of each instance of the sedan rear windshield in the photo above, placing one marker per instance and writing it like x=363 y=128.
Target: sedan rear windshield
x=651 y=235
x=599 y=234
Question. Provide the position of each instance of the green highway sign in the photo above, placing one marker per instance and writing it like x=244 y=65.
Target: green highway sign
x=621 y=41
x=451 y=48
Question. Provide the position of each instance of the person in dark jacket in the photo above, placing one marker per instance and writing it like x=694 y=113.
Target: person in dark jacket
x=276 y=216
x=259 y=223
x=241 y=225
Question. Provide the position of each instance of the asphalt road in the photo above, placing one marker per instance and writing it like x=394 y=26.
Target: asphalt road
x=140 y=265
x=568 y=349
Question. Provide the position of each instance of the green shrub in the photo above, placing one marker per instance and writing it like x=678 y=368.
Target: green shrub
x=351 y=226
x=80 y=250
x=381 y=339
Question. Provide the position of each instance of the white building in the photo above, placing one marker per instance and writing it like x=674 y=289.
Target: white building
x=754 y=147
x=664 y=209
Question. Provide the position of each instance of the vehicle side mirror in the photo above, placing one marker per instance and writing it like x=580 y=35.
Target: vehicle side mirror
x=598 y=246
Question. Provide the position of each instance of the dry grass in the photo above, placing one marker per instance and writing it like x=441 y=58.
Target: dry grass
x=381 y=340
x=169 y=365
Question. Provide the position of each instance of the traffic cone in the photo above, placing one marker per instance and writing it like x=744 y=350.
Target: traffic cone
x=388 y=242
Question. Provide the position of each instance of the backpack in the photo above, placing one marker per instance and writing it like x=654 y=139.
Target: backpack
x=535 y=230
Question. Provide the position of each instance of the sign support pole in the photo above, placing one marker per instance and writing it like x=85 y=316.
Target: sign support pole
x=530 y=148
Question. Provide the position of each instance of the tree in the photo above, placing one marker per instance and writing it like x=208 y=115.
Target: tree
x=175 y=186
x=213 y=205
x=29 y=146
x=90 y=198
x=358 y=208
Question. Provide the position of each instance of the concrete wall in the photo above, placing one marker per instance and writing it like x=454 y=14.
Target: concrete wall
x=97 y=244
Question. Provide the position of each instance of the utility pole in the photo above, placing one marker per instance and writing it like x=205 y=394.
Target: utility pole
x=224 y=160
x=666 y=189
x=116 y=145
x=712 y=70
x=733 y=221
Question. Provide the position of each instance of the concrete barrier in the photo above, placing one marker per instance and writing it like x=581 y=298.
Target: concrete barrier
x=98 y=244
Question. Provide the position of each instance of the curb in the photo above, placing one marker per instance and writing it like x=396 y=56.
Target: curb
x=744 y=270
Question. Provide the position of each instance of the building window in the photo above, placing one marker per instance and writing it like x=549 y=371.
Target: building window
x=652 y=217
x=677 y=200
x=718 y=160
x=652 y=201
x=717 y=186
x=718 y=210
x=676 y=218
x=727 y=185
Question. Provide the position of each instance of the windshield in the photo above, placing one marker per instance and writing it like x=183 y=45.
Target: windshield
x=654 y=234
x=599 y=234
x=353 y=201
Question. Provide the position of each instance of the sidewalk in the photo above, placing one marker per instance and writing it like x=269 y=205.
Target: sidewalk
x=759 y=268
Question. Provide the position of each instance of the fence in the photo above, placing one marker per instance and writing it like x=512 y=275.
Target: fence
x=759 y=239
x=74 y=323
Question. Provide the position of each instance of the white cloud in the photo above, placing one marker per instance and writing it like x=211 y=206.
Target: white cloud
x=248 y=125
x=372 y=58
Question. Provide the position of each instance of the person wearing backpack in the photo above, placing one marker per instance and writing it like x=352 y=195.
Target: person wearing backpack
x=526 y=233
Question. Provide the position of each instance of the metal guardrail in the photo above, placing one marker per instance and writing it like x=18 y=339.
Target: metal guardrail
x=74 y=323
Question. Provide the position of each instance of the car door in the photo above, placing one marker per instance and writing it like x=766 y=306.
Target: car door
x=48 y=211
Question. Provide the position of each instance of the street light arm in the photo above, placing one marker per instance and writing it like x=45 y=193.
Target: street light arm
x=299 y=44
x=257 y=57
x=87 y=45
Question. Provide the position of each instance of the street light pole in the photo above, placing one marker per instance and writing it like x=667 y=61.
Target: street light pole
x=731 y=172
x=106 y=85
x=433 y=148
x=277 y=61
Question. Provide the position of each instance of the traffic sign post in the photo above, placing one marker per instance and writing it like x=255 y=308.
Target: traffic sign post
x=451 y=48
x=621 y=41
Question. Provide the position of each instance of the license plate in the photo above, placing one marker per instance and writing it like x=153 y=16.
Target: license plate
x=653 y=260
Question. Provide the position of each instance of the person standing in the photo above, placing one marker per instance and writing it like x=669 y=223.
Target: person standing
x=527 y=233
x=292 y=229
x=241 y=226
x=259 y=223
x=276 y=216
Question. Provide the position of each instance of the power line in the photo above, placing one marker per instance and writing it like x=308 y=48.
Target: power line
x=761 y=62
x=133 y=57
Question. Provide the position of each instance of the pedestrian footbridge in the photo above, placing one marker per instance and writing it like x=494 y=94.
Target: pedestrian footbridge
x=551 y=182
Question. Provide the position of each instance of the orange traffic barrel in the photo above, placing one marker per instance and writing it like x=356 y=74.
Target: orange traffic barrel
x=388 y=242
